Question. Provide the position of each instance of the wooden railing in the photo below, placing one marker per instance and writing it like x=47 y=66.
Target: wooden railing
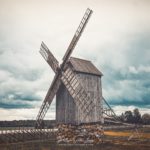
x=22 y=135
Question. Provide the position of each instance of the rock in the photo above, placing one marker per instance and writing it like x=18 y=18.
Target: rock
x=89 y=141
x=82 y=134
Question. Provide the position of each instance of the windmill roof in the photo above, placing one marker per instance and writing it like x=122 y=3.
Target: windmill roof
x=84 y=66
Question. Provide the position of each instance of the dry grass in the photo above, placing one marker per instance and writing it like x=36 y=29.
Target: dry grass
x=128 y=139
x=127 y=134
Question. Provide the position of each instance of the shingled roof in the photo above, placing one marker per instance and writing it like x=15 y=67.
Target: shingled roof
x=84 y=66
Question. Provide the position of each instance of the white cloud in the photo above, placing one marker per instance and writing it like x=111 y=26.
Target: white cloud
x=24 y=113
x=139 y=69
x=132 y=69
x=4 y=75
x=121 y=109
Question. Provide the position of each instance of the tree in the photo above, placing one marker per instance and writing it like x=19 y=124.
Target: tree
x=122 y=117
x=146 y=118
x=128 y=116
x=136 y=116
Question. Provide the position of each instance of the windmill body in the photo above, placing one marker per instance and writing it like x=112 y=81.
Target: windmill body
x=67 y=111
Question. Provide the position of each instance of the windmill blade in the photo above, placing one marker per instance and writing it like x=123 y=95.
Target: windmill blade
x=77 y=34
x=48 y=99
x=49 y=57
x=78 y=93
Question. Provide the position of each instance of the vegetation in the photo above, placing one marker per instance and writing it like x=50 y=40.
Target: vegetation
x=25 y=123
x=135 y=117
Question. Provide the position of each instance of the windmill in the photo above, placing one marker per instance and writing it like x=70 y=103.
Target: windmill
x=72 y=95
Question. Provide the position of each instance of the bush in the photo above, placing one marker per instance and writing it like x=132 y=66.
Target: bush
x=146 y=119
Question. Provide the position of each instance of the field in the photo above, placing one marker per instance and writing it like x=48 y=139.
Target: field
x=127 y=139
x=118 y=139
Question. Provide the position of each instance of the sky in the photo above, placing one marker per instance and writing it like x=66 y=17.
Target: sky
x=116 y=40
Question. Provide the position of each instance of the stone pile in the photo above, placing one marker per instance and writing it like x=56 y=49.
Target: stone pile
x=83 y=134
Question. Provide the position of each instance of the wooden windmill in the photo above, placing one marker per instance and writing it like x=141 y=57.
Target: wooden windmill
x=76 y=84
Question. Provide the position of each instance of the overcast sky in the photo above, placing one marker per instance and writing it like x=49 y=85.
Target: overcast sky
x=116 y=40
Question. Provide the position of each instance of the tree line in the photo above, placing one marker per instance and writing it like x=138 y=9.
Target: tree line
x=135 y=117
x=25 y=123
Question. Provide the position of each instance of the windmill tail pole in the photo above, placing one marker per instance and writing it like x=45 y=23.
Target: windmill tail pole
x=116 y=117
x=109 y=107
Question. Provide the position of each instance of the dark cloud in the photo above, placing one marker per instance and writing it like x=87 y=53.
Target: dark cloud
x=14 y=106
x=12 y=99
x=29 y=97
x=130 y=84
x=131 y=102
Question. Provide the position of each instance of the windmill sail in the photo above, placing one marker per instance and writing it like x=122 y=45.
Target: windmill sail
x=78 y=33
x=48 y=99
x=49 y=57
